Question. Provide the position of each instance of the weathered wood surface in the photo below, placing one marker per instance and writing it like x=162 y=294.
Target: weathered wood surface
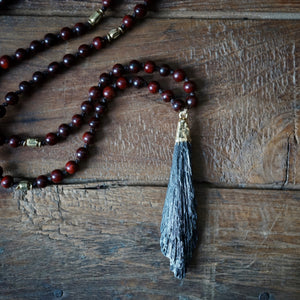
x=104 y=244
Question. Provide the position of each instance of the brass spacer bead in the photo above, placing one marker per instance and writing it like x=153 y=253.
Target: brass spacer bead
x=24 y=186
x=114 y=34
x=96 y=17
x=32 y=143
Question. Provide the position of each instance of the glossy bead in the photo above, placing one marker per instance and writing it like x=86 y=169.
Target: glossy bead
x=51 y=139
x=81 y=153
x=41 y=181
x=64 y=130
x=189 y=86
x=1 y=171
x=71 y=167
x=94 y=122
x=66 y=33
x=14 y=141
x=178 y=75
x=20 y=54
x=106 y=3
x=79 y=29
x=87 y=107
x=138 y=82
x=54 y=68
x=149 y=67
x=167 y=95
x=88 y=137
x=84 y=50
x=11 y=98
x=164 y=70
x=57 y=176
x=98 y=43
x=104 y=79
x=77 y=120
x=35 y=47
x=118 y=70
x=100 y=108
x=50 y=40
x=191 y=101
x=5 y=62
x=177 y=105
x=38 y=77
x=95 y=93
x=2 y=111
x=153 y=87
x=122 y=83
x=128 y=21
x=7 y=182
x=69 y=60
x=140 y=10
x=134 y=66
x=25 y=87
x=109 y=92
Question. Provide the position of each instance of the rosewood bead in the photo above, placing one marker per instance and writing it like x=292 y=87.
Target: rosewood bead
x=189 y=86
x=100 y=108
x=41 y=181
x=140 y=10
x=50 y=40
x=138 y=82
x=98 y=43
x=54 y=68
x=51 y=139
x=104 y=79
x=164 y=70
x=87 y=107
x=167 y=95
x=66 y=33
x=20 y=54
x=5 y=61
x=69 y=60
x=84 y=50
x=7 y=181
x=64 y=130
x=191 y=101
x=71 y=167
x=2 y=111
x=79 y=29
x=88 y=137
x=134 y=66
x=122 y=83
x=35 y=47
x=14 y=141
x=128 y=21
x=153 y=87
x=178 y=75
x=108 y=92
x=11 y=98
x=94 y=122
x=57 y=176
x=118 y=70
x=106 y=3
x=177 y=105
x=149 y=67
x=25 y=87
x=95 y=93
x=81 y=153
x=38 y=77
x=77 y=120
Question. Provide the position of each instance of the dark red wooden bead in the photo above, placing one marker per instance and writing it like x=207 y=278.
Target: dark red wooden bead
x=104 y=79
x=14 y=141
x=118 y=70
x=57 y=176
x=84 y=50
x=20 y=54
x=149 y=67
x=7 y=182
x=122 y=83
x=100 y=108
x=109 y=92
x=138 y=82
x=134 y=66
x=5 y=61
x=35 y=47
x=2 y=111
x=128 y=21
x=140 y=10
x=79 y=29
x=81 y=153
x=54 y=68
x=71 y=167
x=50 y=40
x=189 y=86
x=178 y=75
x=153 y=87
x=167 y=95
x=11 y=98
x=51 y=139
x=25 y=87
x=98 y=43
x=41 y=181
x=106 y=3
x=66 y=33
x=94 y=122
x=38 y=77
x=191 y=101
x=88 y=137
x=64 y=130
x=164 y=70
x=87 y=107
x=95 y=93
x=77 y=120
x=69 y=60
x=1 y=171
x=178 y=105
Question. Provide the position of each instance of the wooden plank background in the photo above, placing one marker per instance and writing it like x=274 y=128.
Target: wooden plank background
x=97 y=235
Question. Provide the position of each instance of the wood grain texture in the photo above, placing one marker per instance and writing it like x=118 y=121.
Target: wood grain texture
x=96 y=243
x=245 y=131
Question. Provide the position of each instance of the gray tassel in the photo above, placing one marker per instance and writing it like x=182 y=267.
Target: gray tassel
x=179 y=219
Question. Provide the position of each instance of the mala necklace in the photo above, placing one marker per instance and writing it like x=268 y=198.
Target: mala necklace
x=178 y=225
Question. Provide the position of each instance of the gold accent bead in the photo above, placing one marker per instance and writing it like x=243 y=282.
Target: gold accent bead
x=32 y=143
x=96 y=17
x=114 y=34
x=24 y=186
x=183 y=131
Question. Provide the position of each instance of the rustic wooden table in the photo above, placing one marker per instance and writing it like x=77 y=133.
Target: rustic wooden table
x=97 y=235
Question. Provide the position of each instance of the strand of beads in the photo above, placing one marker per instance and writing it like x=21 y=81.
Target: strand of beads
x=110 y=83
